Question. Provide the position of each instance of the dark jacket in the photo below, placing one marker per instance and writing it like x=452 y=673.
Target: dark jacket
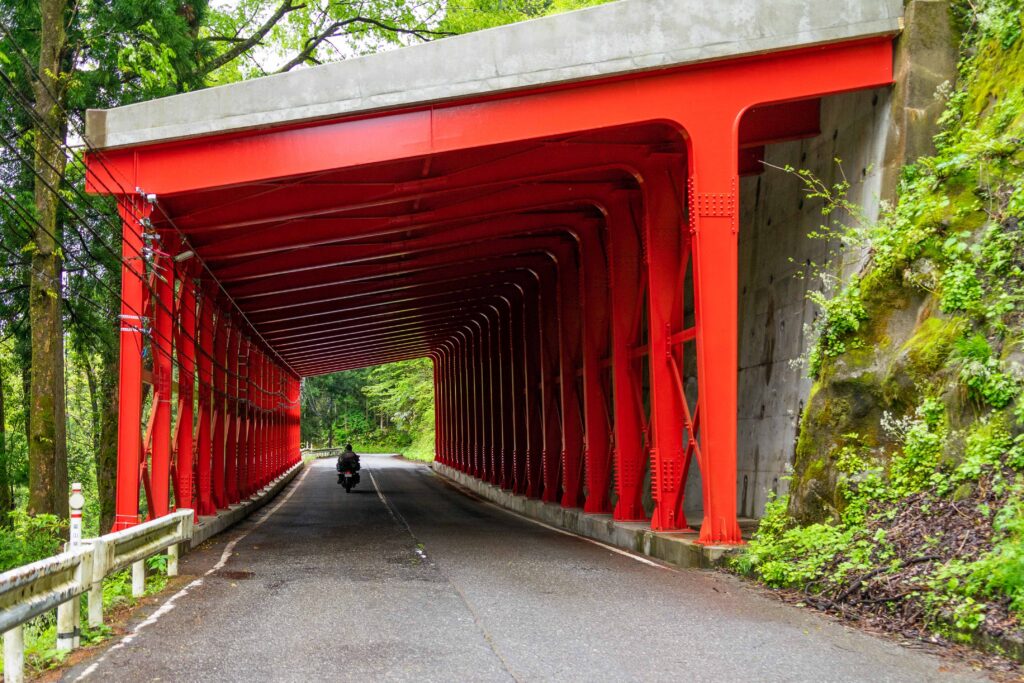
x=348 y=461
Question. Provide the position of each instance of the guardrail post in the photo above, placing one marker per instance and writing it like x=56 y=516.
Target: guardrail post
x=99 y=572
x=66 y=626
x=14 y=655
x=138 y=578
x=185 y=527
x=172 y=559
x=69 y=613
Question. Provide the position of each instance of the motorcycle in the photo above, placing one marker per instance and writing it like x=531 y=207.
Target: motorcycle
x=348 y=478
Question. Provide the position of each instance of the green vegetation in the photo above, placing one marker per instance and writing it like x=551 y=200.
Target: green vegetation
x=463 y=16
x=386 y=409
x=909 y=512
x=41 y=633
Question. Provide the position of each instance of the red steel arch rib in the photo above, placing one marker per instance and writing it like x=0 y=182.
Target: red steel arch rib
x=535 y=245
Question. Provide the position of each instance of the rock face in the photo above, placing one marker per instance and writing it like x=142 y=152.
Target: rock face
x=866 y=138
x=934 y=322
x=925 y=59
x=904 y=347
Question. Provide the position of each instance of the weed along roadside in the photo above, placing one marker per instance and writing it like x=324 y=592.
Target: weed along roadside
x=905 y=510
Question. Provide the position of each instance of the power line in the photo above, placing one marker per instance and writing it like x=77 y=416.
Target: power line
x=28 y=218
x=30 y=70
x=120 y=258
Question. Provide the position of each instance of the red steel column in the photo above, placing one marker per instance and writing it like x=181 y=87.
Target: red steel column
x=473 y=376
x=163 y=376
x=279 y=441
x=486 y=398
x=442 y=412
x=520 y=386
x=268 y=423
x=282 y=451
x=435 y=368
x=533 y=393
x=550 y=335
x=186 y=342
x=506 y=414
x=436 y=358
x=250 y=421
x=625 y=270
x=494 y=397
x=459 y=394
x=129 y=429
x=476 y=367
x=452 y=411
x=261 y=421
x=664 y=236
x=597 y=431
x=256 y=360
x=295 y=444
x=242 y=420
x=714 y=225
x=569 y=353
x=231 y=416
x=465 y=403
x=204 y=440
x=219 y=364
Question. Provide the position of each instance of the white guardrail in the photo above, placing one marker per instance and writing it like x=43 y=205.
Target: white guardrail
x=56 y=582
x=321 y=453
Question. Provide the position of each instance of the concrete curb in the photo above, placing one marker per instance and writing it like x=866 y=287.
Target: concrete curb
x=680 y=549
x=209 y=527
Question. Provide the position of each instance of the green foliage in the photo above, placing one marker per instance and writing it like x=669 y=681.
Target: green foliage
x=954 y=236
x=988 y=383
x=841 y=317
x=923 y=438
x=463 y=16
x=30 y=539
x=389 y=408
x=1001 y=571
x=961 y=290
x=149 y=60
x=784 y=556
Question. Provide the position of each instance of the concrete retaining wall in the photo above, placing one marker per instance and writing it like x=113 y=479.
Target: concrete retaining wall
x=777 y=269
x=674 y=548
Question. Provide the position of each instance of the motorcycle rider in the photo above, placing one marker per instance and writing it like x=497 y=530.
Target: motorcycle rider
x=348 y=460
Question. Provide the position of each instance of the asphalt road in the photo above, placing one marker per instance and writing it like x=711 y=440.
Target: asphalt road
x=407 y=578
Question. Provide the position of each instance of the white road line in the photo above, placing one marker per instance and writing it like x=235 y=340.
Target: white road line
x=625 y=553
x=395 y=514
x=169 y=605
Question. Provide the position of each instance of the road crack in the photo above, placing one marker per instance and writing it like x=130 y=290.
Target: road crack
x=421 y=552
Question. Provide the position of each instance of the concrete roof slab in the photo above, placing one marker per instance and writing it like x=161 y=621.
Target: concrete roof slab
x=621 y=37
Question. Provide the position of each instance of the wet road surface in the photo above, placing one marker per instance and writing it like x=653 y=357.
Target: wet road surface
x=406 y=578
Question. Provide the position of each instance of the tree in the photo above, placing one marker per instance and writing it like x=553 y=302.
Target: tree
x=6 y=490
x=464 y=16
x=47 y=450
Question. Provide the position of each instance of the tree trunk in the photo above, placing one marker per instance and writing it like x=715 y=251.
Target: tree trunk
x=47 y=453
x=6 y=492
